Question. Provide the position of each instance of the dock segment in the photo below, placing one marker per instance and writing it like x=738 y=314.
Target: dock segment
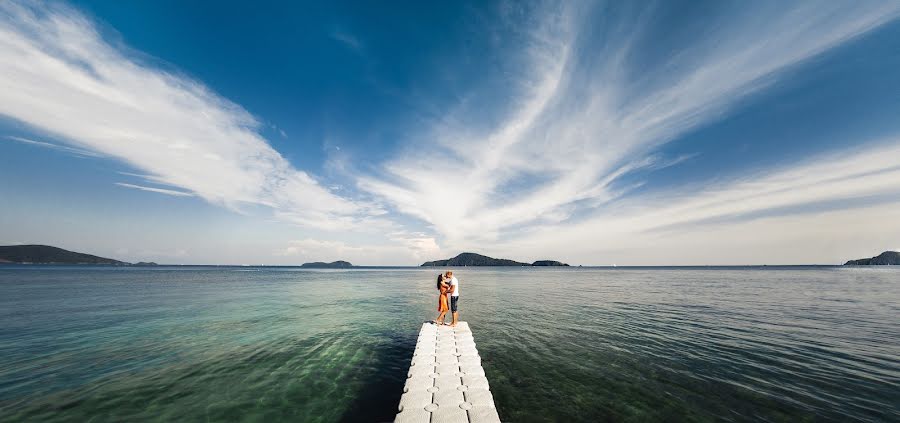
x=446 y=383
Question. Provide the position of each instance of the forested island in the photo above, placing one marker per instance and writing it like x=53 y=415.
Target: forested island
x=549 y=263
x=45 y=254
x=472 y=259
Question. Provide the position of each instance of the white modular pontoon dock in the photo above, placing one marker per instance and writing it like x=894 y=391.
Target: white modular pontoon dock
x=446 y=383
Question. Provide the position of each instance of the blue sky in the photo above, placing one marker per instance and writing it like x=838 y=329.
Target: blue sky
x=590 y=132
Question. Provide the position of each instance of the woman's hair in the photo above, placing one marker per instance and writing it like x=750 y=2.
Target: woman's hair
x=439 y=280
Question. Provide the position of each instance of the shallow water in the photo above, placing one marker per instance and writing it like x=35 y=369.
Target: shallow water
x=278 y=344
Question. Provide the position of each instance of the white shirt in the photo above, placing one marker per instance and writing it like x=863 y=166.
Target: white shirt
x=454 y=282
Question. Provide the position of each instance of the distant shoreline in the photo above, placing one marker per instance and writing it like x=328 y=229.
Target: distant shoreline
x=475 y=268
x=27 y=255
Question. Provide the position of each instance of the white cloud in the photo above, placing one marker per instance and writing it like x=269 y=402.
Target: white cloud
x=585 y=119
x=157 y=190
x=315 y=247
x=57 y=74
x=403 y=248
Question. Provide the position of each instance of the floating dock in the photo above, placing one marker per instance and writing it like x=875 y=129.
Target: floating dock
x=446 y=383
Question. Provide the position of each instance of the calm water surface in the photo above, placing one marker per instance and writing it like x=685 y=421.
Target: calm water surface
x=244 y=344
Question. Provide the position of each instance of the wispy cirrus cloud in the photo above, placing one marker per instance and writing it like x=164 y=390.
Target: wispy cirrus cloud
x=59 y=75
x=827 y=203
x=586 y=115
x=584 y=109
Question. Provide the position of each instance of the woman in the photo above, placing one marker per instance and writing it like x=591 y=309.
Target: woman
x=443 y=301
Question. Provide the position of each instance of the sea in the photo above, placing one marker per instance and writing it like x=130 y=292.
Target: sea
x=272 y=344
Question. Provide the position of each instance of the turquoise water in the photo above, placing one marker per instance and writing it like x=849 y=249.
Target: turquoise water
x=270 y=344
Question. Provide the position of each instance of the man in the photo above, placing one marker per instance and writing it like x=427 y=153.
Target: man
x=454 y=296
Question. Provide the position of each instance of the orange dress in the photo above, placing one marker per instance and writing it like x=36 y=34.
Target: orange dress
x=442 y=300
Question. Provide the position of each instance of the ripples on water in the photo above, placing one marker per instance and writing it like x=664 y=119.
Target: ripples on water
x=126 y=344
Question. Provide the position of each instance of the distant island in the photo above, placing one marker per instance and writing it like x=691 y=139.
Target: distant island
x=887 y=258
x=45 y=254
x=472 y=259
x=340 y=264
x=548 y=263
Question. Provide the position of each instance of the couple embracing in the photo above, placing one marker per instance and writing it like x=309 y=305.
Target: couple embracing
x=448 y=299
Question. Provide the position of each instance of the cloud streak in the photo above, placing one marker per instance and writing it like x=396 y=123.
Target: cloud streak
x=57 y=74
x=346 y=39
x=156 y=190
x=76 y=151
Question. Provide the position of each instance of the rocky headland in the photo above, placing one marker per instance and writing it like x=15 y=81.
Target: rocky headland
x=887 y=258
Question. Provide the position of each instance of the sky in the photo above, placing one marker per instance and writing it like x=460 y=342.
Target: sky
x=595 y=133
